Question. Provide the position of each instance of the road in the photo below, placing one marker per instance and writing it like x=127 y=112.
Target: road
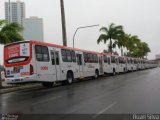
x=137 y=92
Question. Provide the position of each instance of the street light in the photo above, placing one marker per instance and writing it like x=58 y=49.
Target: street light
x=81 y=28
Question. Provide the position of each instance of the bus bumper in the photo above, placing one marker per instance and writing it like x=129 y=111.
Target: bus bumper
x=20 y=79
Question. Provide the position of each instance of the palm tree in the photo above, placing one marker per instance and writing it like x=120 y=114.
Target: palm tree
x=110 y=33
x=121 y=42
x=132 y=42
x=140 y=51
x=10 y=32
x=144 y=48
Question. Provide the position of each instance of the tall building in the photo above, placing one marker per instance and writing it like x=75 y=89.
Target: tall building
x=157 y=59
x=33 y=28
x=17 y=11
x=158 y=56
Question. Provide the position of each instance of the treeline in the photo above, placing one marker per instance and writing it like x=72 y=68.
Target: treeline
x=130 y=45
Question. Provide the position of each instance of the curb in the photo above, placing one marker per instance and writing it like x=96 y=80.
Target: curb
x=16 y=88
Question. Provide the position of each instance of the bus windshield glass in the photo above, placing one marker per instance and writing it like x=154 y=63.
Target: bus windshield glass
x=15 y=53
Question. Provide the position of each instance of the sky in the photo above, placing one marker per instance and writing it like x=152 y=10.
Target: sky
x=139 y=17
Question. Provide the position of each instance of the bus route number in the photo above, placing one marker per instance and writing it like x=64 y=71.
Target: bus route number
x=44 y=67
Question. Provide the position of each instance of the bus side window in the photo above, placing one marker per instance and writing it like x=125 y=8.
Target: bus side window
x=42 y=53
x=73 y=56
x=69 y=58
x=117 y=61
x=105 y=59
x=109 y=62
x=113 y=59
x=64 y=55
x=79 y=59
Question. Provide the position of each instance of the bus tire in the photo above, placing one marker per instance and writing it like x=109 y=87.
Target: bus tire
x=70 y=77
x=96 y=74
x=47 y=84
x=132 y=69
x=114 y=72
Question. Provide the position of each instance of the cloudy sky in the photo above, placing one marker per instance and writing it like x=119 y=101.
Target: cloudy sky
x=139 y=17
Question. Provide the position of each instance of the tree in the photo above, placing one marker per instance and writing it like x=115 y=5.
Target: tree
x=9 y=33
x=121 y=42
x=140 y=51
x=144 y=48
x=132 y=42
x=109 y=34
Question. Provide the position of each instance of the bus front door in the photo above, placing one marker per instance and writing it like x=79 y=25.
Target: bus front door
x=101 y=64
x=55 y=65
x=80 y=63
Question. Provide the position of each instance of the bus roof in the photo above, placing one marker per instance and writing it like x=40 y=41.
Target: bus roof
x=60 y=46
x=17 y=42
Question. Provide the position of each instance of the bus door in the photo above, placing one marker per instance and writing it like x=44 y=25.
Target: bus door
x=55 y=68
x=109 y=68
x=80 y=64
x=117 y=65
x=101 y=64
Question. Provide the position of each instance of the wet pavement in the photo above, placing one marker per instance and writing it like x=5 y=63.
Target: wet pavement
x=137 y=92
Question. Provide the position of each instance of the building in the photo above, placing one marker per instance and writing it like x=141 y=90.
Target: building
x=158 y=56
x=158 y=59
x=1 y=68
x=17 y=12
x=33 y=28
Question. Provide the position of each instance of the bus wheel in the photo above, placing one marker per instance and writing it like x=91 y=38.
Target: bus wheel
x=96 y=74
x=132 y=69
x=114 y=72
x=69 y=77
x=47 y=84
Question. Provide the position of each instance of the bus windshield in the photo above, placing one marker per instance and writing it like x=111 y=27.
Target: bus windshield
x=15 y=53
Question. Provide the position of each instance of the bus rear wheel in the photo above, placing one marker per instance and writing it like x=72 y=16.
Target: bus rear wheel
x=70 y=78
x=47 y=84
x=96 y=74
x=114 y=72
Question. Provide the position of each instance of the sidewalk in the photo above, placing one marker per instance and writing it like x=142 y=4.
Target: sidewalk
x=11 y=88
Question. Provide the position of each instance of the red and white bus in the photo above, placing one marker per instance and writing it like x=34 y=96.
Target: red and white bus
x=31 y=61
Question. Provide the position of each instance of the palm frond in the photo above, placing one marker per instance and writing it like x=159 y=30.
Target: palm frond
x=102 y=37
x=104 y=29
x=10 y=32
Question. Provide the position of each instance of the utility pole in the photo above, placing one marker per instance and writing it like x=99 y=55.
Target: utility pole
x=63 y=24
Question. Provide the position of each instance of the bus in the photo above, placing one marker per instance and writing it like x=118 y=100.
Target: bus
x=122 y=65
x=34 y=61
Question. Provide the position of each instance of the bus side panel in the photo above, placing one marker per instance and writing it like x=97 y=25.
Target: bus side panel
x=67 y=66
x=44 y=69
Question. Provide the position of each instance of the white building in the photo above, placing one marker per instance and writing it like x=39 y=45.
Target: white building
x=158 y=56
x=33 y=28
x=17 y=12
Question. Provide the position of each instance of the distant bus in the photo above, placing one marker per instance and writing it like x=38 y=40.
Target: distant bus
x=31 y=61
x=114 y=64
